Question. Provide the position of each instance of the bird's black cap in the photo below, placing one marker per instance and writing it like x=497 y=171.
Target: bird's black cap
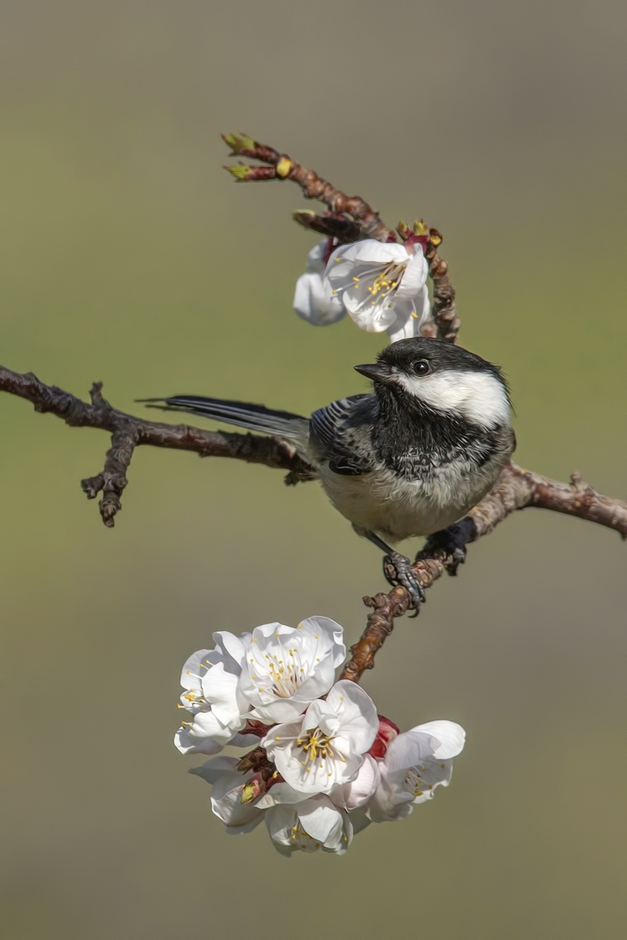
x=440 y=355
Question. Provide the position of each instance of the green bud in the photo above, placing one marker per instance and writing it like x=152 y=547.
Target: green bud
x=239 y=142
x=240 y=172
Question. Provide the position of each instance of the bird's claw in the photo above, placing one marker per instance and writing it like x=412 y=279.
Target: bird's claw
x=398 y=571
x=452 y=543
x=458 y=557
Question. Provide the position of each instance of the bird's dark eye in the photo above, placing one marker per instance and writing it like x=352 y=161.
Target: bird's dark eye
x=421 y=367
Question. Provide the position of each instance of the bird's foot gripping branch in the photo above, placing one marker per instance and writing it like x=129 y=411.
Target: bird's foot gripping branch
x=324 y=765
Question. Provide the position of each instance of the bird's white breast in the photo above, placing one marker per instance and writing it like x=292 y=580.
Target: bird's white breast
x=397 y=508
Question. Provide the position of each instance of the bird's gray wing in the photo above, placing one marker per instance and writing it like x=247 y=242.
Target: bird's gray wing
x=339 y=433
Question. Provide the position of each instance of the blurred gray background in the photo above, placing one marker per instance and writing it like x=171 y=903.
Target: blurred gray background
x=129 y=256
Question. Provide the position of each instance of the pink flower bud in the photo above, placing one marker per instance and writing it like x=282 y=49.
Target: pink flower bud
x=386 y=733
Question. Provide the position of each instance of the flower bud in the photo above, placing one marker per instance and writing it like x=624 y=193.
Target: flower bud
x=283 y=167
x=386 y=733
x=253 y=789
x=252 y=760
x=240 y=172
x=239 y=142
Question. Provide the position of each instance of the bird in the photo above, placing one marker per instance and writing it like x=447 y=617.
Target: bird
x=408 y=459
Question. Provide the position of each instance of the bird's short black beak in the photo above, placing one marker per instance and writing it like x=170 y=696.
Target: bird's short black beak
x=376 y=371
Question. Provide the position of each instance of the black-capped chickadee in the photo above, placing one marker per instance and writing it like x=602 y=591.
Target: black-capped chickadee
x=411 y=459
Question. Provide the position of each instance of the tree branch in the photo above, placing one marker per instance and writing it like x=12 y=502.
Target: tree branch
x=129 y=432
x=280 y=166
x=444 y=311
x=515 y=489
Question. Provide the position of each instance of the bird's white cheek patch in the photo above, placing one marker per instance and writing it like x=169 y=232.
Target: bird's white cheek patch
x=478 y=396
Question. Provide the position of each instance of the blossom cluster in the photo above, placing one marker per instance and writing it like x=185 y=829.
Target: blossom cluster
x=324 y=764
x=380 y=285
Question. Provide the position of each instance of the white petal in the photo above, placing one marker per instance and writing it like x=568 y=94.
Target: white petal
x=451 y=736
x=334 y=631
x=216 y=768
x=372 y=316
x=279 y=711
x=414 y=278
x=388 y=805
x=315 y=259
x=409 y=749
x=231 y=649
x=220 y=688
x=322 y=714
x=433 y=773
x=193 y=670
x=270 y=629
x=357 y=713
x=350 y=796
x=281 y=793
x=281 y=736
x=437 y=739
x=280 y=820
x=369 y=250
x=423 y=306
x=245 y=820
x=318 y=684
x=313 y=303
x=197 y=744
x=404 y=327
x=322 y=820
x=410 y=316
x=286 y=832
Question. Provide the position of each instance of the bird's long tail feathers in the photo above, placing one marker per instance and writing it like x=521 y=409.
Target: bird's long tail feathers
x=282 y=424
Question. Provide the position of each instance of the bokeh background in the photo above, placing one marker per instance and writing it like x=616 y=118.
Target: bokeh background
x=129 y=256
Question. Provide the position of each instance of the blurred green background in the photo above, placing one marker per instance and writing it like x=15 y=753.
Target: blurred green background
x=129 y=256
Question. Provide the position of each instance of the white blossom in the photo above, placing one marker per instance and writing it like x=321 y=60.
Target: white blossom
x=416 y=762
x=226 y=796
x=382 y=285
x=210 y=679
x=325 y=746
x=312 y=301
x=328 y=765
x=308 y=826
x=286 y=668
